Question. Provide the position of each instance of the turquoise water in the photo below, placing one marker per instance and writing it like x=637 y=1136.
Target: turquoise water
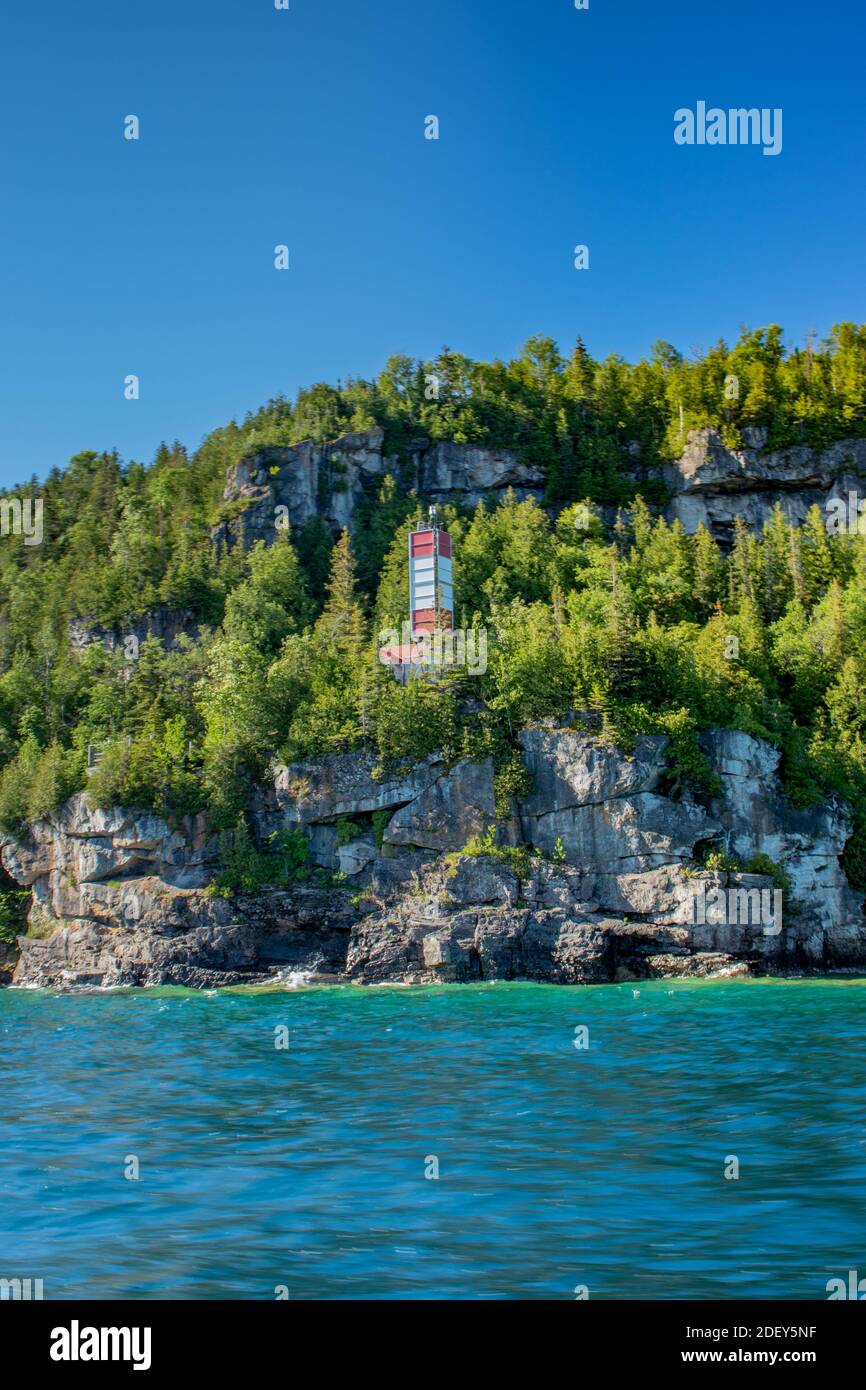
x=305 y=1168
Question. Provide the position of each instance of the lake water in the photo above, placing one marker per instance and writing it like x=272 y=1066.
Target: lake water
x=303 y=1168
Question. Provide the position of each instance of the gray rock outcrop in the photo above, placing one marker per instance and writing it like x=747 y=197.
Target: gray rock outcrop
x=713 y=484
x=329 y=480
x=597 y=876
x=709 y=483
x=168 y=625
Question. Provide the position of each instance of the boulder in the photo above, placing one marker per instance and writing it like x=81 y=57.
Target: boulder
x=480 y=879
x=354 y=857
x=571 y=769
x=341 y=785
x=457 y=805
x=628 y=834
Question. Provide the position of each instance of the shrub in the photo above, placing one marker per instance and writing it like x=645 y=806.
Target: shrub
x=13 y=914
x=763 y=864
x=511 y=780
x=381 y=820
x=246 y=869
x=718 y=861
x=517 y=857
x=347 y=831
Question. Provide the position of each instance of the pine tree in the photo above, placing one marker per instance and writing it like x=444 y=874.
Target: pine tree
x=817 y=555
x=742 y=564
x=342 y=621
x=621 y=655
x=776 y=554
x=709 y=572
x=795 y=565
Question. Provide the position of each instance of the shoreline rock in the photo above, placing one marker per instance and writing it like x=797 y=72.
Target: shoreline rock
x=594 y=879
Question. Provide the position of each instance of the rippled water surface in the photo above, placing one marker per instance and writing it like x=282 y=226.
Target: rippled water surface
x=558 y=1167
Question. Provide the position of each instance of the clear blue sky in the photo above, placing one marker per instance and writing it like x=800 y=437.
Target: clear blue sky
x=306 y=127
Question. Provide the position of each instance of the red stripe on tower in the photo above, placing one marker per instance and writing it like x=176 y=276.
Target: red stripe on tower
x=430 y=581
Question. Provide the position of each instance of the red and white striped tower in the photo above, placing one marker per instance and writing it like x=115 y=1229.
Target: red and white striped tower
x=431 y=581
x=431 y=602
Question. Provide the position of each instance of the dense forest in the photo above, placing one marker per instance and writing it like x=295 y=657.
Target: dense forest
x=591 y=602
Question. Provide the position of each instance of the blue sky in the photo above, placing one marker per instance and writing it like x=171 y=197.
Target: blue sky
x=306 y=127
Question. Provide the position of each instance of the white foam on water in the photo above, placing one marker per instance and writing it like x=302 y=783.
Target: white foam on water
x=296 y=979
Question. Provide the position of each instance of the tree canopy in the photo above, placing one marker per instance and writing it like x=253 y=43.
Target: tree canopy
x=592 y=602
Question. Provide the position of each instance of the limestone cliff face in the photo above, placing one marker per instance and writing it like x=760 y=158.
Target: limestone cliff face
x=329 y=480
x=165 y=624
x=610 y=892
x=714 y=485
x=709 y=483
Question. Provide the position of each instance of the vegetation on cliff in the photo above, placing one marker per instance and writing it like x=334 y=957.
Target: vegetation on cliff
x=634 y=621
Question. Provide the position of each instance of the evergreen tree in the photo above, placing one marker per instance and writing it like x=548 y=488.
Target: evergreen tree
x=342 y=621
x=709 y=572
x=817 y=555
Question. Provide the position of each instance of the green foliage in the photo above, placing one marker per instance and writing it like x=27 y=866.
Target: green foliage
x=347 y=831
x=854 y=857
x=13 y=914
x=688 y=766
x=380 y=825
x=592 y=607
x=413 y=721
x=245 y=869
x=36 y=782
x=263 y=609
x=763 y=864
x=511 y=781
x=718 y=861
x=517 y=857
x=152 y=769
x=292 y=850
x=487 y=847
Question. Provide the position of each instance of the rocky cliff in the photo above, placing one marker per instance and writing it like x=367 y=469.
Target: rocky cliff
x=166 y=624
x=595 y=876
x=329 y=480
x=276 y=487
x=709 y=483
x=714 y=485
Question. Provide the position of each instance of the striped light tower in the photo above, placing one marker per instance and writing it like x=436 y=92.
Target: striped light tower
x=431 y=604
x=431 y=581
